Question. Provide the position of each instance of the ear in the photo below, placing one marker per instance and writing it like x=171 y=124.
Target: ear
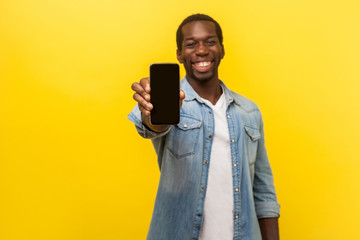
x=179 y=57
x=223 y=51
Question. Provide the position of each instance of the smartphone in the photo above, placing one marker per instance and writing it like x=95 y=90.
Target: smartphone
x=165 y=93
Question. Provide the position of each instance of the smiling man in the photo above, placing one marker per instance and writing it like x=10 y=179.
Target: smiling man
x=216 y=182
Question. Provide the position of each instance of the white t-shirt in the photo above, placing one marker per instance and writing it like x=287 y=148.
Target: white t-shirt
x=219 y=201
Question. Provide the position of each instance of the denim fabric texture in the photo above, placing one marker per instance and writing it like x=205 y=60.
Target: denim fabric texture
x=184 y=158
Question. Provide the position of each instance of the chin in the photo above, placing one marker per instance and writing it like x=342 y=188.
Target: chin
x=201 y=77
x=204 y=77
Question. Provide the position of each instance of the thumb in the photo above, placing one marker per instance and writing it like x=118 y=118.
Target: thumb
x=182 y=95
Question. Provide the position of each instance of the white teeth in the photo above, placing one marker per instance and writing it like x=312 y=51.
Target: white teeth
x=202 y=64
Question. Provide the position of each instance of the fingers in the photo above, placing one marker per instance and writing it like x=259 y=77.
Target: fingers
x=142 y=88
x=182 y=96
x=142 y=95
x=142 y=102
x=145 y=111
x=145 y=84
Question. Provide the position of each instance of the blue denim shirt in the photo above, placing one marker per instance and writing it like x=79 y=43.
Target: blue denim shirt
x=184 y=157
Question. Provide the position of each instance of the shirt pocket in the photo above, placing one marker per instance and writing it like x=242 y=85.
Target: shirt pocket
x=183 y=138
x=251 y=142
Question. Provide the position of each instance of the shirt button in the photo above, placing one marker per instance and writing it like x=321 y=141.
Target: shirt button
x=228 y=116
x=203 y=188
x=236 y=189
x=185 y=126
x=234 y=164
x=206 y=162
x=236 y=216
x=199 y=214
x=232 y=140
x=209 y=112
x=210 y=136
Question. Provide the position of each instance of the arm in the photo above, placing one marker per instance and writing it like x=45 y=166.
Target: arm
x=266 y=205
x=269 y=228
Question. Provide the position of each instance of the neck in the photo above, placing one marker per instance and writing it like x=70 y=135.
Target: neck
x=209 y=90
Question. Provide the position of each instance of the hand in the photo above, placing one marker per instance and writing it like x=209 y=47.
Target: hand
x=142 y=97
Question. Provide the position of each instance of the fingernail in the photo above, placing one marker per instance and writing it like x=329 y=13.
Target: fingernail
x=148 y=105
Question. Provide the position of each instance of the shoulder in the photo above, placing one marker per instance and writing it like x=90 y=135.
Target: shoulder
x=249 y=113
x=245 y=103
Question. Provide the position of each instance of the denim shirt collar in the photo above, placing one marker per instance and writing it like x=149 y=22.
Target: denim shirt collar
x=191 y=95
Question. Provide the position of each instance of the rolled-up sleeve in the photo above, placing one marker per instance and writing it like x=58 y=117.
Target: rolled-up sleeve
x=135 y=117
x=266 y=204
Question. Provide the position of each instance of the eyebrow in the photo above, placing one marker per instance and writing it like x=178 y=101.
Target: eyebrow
x=191 y=38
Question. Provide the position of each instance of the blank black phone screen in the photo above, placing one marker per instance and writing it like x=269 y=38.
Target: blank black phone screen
x=164 y=94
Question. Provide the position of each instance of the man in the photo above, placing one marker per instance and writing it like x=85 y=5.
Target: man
x=216 y=181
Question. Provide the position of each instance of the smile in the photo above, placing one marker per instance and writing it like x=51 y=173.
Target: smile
x=202 y=66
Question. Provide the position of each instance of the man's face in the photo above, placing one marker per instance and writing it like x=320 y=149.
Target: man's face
x=201 y=51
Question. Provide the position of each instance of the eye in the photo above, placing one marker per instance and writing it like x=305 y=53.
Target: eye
x=190 y=45
x=211 y=42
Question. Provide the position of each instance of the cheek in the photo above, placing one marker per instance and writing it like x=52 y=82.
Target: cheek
x=186 y=61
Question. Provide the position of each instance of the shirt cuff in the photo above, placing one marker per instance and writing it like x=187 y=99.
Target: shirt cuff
x=135 y=117
x=267 y=209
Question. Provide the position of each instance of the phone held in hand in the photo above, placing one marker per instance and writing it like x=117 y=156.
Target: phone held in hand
x=165 y=93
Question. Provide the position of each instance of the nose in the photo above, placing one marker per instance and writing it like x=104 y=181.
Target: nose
x=201 y=49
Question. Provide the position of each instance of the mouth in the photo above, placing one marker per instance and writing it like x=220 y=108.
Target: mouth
x=202 y=66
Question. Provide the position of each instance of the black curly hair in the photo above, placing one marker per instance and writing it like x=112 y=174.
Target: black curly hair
x=197 y=17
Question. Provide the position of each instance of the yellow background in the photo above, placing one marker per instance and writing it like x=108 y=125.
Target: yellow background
x=73 y=167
